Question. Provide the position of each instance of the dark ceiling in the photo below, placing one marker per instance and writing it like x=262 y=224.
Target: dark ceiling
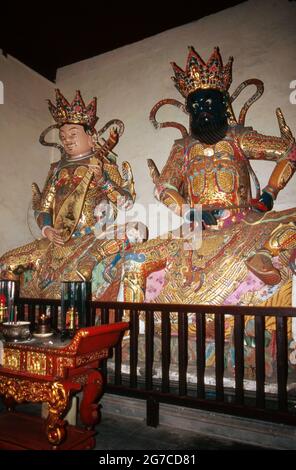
x=48 y=42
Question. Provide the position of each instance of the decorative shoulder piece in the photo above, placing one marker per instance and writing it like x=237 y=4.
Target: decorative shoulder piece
x=74 y=113
x=201 y=75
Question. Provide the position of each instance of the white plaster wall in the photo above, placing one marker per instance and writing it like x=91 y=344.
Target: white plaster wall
x=23 y=116
x=260 y=34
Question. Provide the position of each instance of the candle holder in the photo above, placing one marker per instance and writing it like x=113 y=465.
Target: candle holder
x=43 y=328
x=3 y=308
x=75 y=307
x=9 y=292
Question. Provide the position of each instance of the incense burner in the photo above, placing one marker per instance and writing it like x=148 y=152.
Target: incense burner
x=19 y=330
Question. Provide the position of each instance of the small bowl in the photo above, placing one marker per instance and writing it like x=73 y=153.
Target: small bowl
x=16 y=331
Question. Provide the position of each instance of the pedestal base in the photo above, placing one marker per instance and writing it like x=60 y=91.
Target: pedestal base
x=20 y=431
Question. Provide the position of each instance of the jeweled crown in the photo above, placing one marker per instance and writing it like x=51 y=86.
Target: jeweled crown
x=201 y=75
x=74 y=113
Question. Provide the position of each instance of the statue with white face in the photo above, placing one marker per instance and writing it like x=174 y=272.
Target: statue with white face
x=81 y=189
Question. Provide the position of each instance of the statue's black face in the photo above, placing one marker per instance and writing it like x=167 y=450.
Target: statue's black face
x=208 y=115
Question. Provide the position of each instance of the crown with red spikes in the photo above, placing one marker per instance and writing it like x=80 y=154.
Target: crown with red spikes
x=201 y=75
x=74 y=113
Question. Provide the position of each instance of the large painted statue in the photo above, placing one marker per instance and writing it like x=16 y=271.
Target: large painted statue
x=82 y=190
x=246 y=247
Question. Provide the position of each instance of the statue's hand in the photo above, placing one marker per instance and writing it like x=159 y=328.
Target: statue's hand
x=128 y=180
x=54 y=235
x=113 y=136
x=98 y=171
x=263 y=204
x=209 y=217
x=154 y=173
x=285 y=130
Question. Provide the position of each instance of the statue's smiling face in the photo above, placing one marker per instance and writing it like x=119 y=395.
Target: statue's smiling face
x=75 y=140
x=207 y=109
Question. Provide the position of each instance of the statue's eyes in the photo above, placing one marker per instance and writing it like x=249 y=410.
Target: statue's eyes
x=195 y=106
x=208 y=102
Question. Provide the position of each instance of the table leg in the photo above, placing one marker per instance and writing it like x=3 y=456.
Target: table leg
x=90 y=414
x=9 y=402
x=58 y=404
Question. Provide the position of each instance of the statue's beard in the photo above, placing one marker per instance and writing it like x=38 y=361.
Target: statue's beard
x=209 y=131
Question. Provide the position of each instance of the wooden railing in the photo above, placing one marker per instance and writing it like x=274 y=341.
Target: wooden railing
x=274 y=406
x=277 y=406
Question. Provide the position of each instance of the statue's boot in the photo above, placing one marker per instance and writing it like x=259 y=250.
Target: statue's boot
x=13 y=272
x=7 y=275
x=194 y=279
x=261 y=265
x=84 y=269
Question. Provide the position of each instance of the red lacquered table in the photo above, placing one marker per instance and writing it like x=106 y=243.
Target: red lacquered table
x=51 y=371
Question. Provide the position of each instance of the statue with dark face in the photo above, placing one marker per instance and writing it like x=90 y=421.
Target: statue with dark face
x=208 y=115
x=210 y=166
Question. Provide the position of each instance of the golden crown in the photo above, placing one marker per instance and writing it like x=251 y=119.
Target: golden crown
x=74 y=113
x=201 y=75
